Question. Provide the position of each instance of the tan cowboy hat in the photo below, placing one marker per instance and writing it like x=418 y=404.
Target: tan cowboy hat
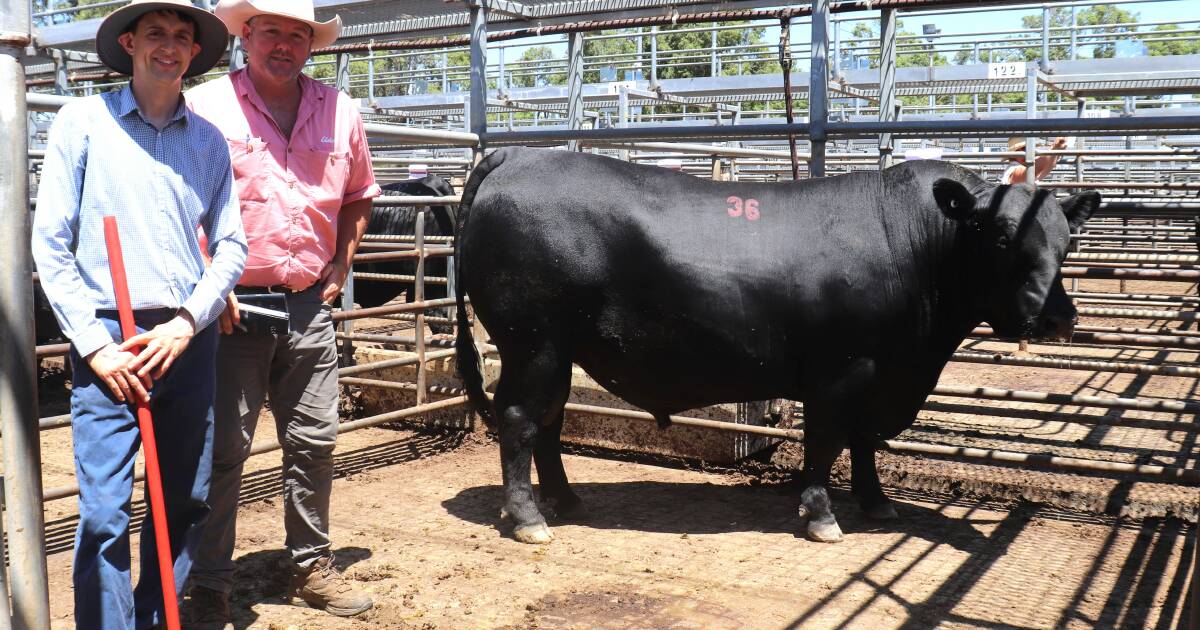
x=235 y=13
x=1016 y=143
x=210 y=34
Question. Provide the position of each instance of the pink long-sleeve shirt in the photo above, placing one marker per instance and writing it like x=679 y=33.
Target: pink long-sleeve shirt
x=291 y=189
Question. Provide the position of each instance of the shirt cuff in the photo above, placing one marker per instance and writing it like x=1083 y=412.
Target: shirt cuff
x=202 y=309
x=369 y=192
x=91 y=339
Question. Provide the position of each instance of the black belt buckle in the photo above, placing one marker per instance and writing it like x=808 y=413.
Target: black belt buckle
x=263 y=313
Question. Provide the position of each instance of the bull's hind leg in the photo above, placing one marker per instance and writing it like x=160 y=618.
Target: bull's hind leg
x=533 y=386
x=552 y=477
x=864 y=480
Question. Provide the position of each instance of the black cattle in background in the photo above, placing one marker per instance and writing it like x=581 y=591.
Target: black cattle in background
x=400 y=220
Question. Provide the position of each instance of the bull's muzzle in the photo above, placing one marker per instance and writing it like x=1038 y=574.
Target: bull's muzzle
x=1055 y=327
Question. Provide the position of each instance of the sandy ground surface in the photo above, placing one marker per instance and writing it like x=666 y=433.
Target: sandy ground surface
x=415 y=522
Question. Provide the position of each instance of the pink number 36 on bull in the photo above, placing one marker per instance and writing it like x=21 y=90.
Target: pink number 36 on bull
x=738 y=207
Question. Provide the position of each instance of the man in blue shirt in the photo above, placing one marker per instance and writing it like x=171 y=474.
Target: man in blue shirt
x=139 y=154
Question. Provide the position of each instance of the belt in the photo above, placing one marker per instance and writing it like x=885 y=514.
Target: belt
x=275 y=288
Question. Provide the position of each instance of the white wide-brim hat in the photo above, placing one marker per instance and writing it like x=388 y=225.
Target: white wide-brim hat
x=235 y=14
x=210 y=34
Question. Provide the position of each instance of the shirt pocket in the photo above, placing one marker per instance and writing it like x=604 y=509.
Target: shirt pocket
x=326 y=173
x=250 y=164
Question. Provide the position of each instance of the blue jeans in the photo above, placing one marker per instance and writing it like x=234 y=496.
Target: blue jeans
x=106 y=440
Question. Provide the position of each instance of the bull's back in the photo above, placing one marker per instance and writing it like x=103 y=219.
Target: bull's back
x=667 y=286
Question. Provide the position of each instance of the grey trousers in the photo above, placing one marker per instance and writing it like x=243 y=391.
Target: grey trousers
x=298 y=372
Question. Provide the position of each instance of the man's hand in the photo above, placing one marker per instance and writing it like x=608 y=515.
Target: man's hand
x=162 y=345
x=1059 y=144
x=231 y=317
x=333 y=276
x=115 y=367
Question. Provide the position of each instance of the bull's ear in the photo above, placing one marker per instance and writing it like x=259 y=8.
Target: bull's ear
x=1079 y=208
x=953 y=198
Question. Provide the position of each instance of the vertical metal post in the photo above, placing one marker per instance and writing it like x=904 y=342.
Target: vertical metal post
x=1030 y=113
x=653 y=56
x=1080 y=108
x=478 y=100
x=370 y=75
x=61 y=81
x=818 y=93
x=713 y=46
x=639 y=41
x=1044 y=63
x=500 y=76
x=975 y=95
x=18 y=367
x=237 y=59
x=574 y=86
x=623 y=117
x=419 y=296
x=446 y=72
x=1074 y=25
x=837 y=50
x=342 y=80
x=887 y=81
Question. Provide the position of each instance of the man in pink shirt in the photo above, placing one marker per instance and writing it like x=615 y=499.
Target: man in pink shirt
x=303 y=176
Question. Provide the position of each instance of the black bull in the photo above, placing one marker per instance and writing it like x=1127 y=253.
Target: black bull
x=848 y=293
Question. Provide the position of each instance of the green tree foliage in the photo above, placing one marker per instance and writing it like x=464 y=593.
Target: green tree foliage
x=909 y=52
x=40 y=6
x=534 y=68
x=1174 y=44
x=682 y=50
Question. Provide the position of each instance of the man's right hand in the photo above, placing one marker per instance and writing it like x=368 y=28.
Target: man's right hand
x=113 y=366
x=231 y=317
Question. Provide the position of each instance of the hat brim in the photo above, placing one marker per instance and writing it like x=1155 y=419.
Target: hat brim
x=211 y=34
x=235 y=14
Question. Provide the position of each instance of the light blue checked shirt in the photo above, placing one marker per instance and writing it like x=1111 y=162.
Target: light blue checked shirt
x=104 y=158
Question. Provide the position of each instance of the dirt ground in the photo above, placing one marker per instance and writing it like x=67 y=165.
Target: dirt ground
x=416 y=522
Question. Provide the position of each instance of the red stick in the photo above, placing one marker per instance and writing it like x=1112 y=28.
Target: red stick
x=166 y=568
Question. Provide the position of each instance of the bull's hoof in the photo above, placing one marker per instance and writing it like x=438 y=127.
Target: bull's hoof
x=885 y=511
x=825 y=531
x=881 y=511
x=571 y=509
x=535 y=534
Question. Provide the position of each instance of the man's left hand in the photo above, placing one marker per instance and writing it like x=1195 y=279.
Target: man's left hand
x=333 y=276
x=161 y=345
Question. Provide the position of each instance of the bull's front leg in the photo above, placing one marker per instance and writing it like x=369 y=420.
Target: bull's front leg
x=864 y=480
x=816 y=511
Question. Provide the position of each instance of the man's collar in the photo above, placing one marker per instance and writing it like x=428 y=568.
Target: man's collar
x=127 y=104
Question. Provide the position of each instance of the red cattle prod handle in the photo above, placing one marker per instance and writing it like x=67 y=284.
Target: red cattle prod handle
x=166 y=568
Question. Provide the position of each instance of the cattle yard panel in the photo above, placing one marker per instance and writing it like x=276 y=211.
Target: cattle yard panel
x=478 y=137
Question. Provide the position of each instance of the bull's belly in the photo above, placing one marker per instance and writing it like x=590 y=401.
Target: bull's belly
x=671 y=384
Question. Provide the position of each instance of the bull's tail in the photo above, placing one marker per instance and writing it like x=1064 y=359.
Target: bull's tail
x=469 y=362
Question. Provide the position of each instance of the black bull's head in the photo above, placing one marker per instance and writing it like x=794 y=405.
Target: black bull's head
x=1016 y=239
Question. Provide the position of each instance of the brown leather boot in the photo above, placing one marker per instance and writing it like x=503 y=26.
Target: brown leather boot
x=206 y=609
x=322 y=586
